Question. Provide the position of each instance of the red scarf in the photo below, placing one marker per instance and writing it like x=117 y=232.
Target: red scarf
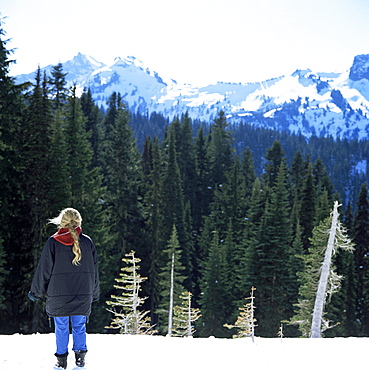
x=64 y=236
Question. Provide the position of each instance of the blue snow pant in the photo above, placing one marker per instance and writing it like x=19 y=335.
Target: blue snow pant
x=62 y=333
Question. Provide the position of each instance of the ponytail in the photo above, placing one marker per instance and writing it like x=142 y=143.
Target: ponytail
x=70 y=219
x=76 y=249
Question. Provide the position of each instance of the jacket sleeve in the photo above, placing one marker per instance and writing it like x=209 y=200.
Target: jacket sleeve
x=96 y=290
x=43 y=272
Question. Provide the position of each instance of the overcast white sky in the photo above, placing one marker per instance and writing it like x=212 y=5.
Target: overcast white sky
x=192 y=41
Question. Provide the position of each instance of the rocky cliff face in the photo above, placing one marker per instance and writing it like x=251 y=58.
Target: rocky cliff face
x=360 y=68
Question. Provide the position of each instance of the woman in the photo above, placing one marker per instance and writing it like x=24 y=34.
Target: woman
x=68 y=275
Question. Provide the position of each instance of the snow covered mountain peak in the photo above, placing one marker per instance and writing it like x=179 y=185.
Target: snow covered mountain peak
x=79 y=67
x=305 y=102
x=82 y=60
x=127 y=62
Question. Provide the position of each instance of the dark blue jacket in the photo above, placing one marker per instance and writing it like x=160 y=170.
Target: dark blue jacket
x=69 y=289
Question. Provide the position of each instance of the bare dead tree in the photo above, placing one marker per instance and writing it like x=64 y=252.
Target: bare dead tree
x=329 y=281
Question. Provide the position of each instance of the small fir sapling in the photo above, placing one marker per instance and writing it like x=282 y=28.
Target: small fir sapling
x=129 y=319
x=245 y=322
x=184 y=317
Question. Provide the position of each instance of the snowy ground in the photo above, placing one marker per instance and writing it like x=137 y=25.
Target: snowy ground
x=113 y=352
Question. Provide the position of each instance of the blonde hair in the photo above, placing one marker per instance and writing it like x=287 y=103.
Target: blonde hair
x=70 y=219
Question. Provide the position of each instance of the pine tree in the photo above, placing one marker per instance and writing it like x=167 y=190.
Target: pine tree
x=115 y=105
x=323 y=208
x=121 y=202
x=36 y=159
x=171 y=282
x=297 y=175
x=147 y=159
x=272 y=260
x=204 y=187
x=127 y=316
x=216 y=302
x=360 y=238
x=37 y=138
x=3 y=273
x=184 y=317
x=123 y=180
x=93 y=125
x=84 y=179
x=191 y=263
x=59 y=190
x=234 y=190
x=58 y=83
x=342 y=306
x=186 y=160
x=233 y=206
x=349 y=218
x=307 y=214
x=322 y=181
x=172 y=210
x=219 y=150
x=274 y=158
x=220 y=184
x=180 y=176
x=11 y=172
x=78 y=149
x=349 y=297
x=228 y=206
x=251 y=237
x=153 y=201
x=234 y=250
x=73 y=154
x=248 y=172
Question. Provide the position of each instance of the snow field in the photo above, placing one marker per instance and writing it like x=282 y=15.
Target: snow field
x=122 y=352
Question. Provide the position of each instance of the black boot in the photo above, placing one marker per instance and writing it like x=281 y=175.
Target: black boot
x=80 y=358
x=62 y=360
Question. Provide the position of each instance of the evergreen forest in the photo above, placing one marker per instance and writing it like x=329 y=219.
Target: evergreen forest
x=235 y=204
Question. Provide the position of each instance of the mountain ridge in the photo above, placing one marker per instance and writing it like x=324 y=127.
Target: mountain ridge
x=309 y=103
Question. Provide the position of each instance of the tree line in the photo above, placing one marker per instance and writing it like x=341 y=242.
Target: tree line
x=189 y=194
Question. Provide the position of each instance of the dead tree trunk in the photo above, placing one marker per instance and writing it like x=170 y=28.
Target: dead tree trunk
x=323 y=281
x=171 y=299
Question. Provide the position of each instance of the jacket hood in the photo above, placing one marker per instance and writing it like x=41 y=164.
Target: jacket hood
x=64 y=236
